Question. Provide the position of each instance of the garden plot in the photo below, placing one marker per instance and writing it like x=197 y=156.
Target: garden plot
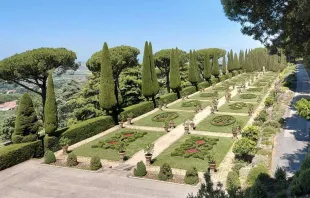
x=247 y=97
x=159 y=118
x=237 y=107
x=221 y=123
x=192 y=150
x=107 y=146
x=209 y=95
x=190 y=105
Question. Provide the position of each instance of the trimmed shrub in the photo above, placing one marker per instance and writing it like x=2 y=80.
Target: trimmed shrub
x=191 y=176
x=255 y=172
x=262 y=116
x=238 y=164
x=302 y=106
x=258 y=190
x=269 y=101
x=88 y=128
x=272 y=123
x=72 y=160
x=49 y=157
x=188 y=90
x=138 y=109
x=244 y=147
x=232 y=182
x=140 y=171
x=51 y=143
x=95 y=163
x=165 y=172
x=203 y=85
x=17 y=153
x=250 y=132
x=168 y=98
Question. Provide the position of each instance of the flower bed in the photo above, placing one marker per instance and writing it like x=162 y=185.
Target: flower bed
x=256 y=89
x=124 y=137
x=248 y=96
x=191 y=103
x=209 y=94
x=237 y=105
x=165 y=117
x=223 y=120
x=196 y=147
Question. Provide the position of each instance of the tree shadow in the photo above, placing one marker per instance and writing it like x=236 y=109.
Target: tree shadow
x=294 y=160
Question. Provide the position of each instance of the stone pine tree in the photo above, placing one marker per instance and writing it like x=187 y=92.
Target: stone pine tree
x=150 y=85
x=26 y=123
x=192 y=70
x=50 y=113
x=207 y=67
x=107 y=98
x=224 y=67
x=174 y=75
x=215 y=66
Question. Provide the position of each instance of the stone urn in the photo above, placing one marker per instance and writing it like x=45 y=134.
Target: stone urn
x=148 y=159
x=121 y=155
x=212 y=166
x=172 y=124
x=65 y=149
x=166 y=128
x=121 y=124
x=186 y=129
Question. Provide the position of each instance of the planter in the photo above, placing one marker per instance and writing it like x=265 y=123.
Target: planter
x=192 y=124
x=166 y=129
x=166 y=105
x=235 y=134
x=212 y=166
x=186 y=129
x=121 y=124
x=65 y=149
x=121 y=155
x=129 y=120
x=148 y=159
x=171 y=124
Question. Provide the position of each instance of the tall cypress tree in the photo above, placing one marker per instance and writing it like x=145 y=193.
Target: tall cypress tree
x=207 y=67
x=215 y=66
x=224 y=67
x=174 y=75
x=236 y=62
x=50 y=113
x=153 y=71
x=192 y=70
x=230 y=62
x=26 y=123
x=241 y=60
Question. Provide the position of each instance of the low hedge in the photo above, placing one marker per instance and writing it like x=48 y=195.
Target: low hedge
x=188 y=90
x=255 y=172
x=51 y=143
x=138 y=109
x=203 y=85
x=17 y=153
x=168 y=98
x=88 y=128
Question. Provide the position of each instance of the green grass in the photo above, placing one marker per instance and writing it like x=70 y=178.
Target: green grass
x=206 y=125
x=197 y=96
x=219 y=150
x=179 y=105
x=147 y=121
x=87 y=151
x=237 y=97
x=226 y=108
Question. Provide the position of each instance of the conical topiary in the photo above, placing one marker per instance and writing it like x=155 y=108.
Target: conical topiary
x=224 y=66
x=207 y=67
x=215 y=66
x=174 y=74
x=50 y=110
x=193 y=70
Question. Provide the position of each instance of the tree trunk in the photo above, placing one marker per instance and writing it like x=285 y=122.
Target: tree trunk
x=178 y=93
x=167 y=81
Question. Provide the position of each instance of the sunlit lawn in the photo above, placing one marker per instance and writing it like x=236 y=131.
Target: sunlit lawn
x=226 y=108
x=219 y=150
x=110 y=154
x=238 y=98
x=179 y=105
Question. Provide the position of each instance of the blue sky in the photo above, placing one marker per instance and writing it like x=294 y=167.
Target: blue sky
x=82 y=26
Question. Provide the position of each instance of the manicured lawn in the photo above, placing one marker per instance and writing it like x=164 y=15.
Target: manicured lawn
x=206 y=125
x=179 y=105
x=86 y=150
x=237 y=97
x=147 y=121
x=198 y=97
x=226 y=108
x=219 y=150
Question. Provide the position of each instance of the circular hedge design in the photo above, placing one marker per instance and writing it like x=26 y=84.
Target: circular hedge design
x=192 y=103
x=237 y=105
x=256 y=89
x=248 y=96
x=165 y=117
x=223 y=120
x=209 y=95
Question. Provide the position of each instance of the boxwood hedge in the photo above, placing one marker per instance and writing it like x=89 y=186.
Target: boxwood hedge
x=188 y=90
x=168 y=98
x=138 y=109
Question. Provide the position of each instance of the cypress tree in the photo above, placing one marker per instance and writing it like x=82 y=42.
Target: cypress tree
x=174 y=75
x=207 y=67
x=268 y=65
x=192 y=70
x=50 y=113
x=153 y=71
x=236 y=62
x=26 y=123
x=241 y=60
x=215 y=66
x=230 y=66
x=107 y=98
x=224 y=67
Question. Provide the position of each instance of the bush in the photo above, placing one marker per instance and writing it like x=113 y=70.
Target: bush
x=165 y=172
x=244 y=147
x=250 y=132
x=168 y=98
x=269 y=130
x=88 y=128
x=228 y=75
x=232 y=182
x=222 y=78
x=51 y=143
x=140 y=171
x=281 y=194
x=258 y=190
x=49 y=157
x=269 y=101
x=191 y=176
x=238 y=164
x=95 y=163
x=303 y=108
x=138 y=109
x=17 y=153
x=188 y=90
x=305 y=163
x=235 y=73
x=262 y=116
x=305 y=181
x=272 y=123
x=255 y=172
x=203 y=85
x=72 y=160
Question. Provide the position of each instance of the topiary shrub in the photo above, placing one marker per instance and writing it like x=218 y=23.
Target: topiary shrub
x=191 y=176
x=168 y=98
x=256 y=89
x=95 y=163
x=269 y=101
x=203 y=85
x=140 y=171
x=237 y=105
x=188 y=90
x=223 y=120
x=165 y=117
x=262 y=116
x=244 y=147
x=250 y=132
x=49 y=157
x=248 y=96
x=209 y=94
x=138 y=109
x=232 y=182
x=303 y=108
x=255 y=172
x=72 y=160
x=165 y=172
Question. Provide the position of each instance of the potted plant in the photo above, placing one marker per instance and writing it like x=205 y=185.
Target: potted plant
x=251 y=109
x=148 y=153
x=211 y=160
x=234 y=130
x=121 y=150
x=64 y=143
x=121 y=121
x=130 y=117
x=166 y=127
x=172 y=124
x=212 y=109
x=186 y=127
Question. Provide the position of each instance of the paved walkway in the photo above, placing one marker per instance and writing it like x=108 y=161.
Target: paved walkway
x=291 y=145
